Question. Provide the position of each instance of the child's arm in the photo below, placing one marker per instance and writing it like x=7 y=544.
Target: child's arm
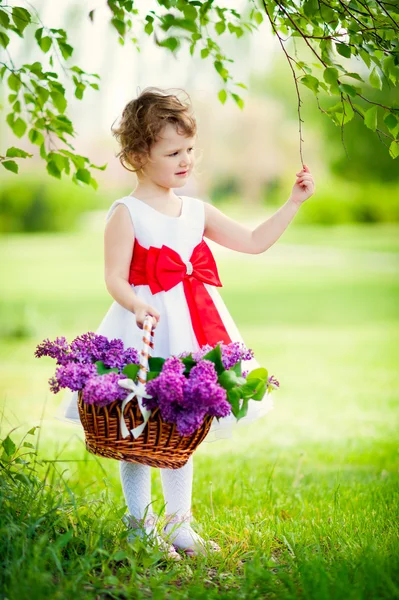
x=229 y=233
x=118 y=248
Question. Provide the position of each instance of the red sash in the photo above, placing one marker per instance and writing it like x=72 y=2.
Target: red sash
x=162 y=268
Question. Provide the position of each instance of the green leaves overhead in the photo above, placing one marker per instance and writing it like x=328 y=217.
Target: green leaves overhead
x=339 y=36
x=38 y=101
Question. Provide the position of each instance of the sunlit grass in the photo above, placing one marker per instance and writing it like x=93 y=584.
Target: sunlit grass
x=304 y=502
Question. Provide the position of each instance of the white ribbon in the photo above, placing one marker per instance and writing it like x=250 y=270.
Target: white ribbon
x=137 y=390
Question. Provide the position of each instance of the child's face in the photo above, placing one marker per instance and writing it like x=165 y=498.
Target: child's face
x=170 y=155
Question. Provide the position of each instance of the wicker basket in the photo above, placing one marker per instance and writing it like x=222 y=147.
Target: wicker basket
x=159 y=445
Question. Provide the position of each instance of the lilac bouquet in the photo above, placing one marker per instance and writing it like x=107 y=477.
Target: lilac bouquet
x=91 y=363
x=185 y=388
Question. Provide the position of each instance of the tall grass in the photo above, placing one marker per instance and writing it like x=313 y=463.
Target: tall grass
x=304 y=503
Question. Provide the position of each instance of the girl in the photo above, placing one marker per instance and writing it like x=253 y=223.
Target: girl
x=157 y=136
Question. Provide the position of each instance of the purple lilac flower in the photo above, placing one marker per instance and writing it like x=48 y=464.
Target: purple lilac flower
x=202 y=351
x=183 y=354
x=234 y=352
x=113 y=357
x=131 y=355
x=58 y=349
x=54 y=385
x=204 y=393
x=231 y=353
x=89 y=347
x=273 y=381
x=188 y=423
x=205 y=369
x=245 y=372
x=173 y=365
x=104 y=389
x=73 y=376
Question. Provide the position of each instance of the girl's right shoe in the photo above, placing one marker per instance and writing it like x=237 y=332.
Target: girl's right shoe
x=146 y=530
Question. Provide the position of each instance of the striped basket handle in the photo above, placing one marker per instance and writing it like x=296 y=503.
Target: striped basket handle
x=138 y=390
x=147 y=348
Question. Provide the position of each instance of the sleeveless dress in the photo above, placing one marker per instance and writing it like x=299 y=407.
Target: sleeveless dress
x=174 y=333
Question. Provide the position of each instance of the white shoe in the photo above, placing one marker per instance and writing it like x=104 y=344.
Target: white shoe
x=145 y=529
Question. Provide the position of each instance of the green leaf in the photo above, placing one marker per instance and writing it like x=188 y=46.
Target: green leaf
x=36 y=137
x=19 y=127
x=21 y=18
x=59 y=101
x=152 y=375
x=32 y=431
x=259 y=373
x=119 y=25
x=237 y=368
x=354 y=75
x=223 y=72
x=131 y=370
x=394 y=149
x=370 y=118
x=348 y=89
x=261 y=390
x=83 y=175
x=4 y=39
x=258 y=17
x=390 y=121
x=233 y=396
x=13 y=152
x=93 y=183
x=229 y=379
x=8 y=444
x=343 y=50
x=375 y=79
x=238 y=100
x=215 y=355
x=172 y=43
x=220 y=27
x=43 y=94
x=189 y=363
x=66 y=49
x=4 y=19
x=53 y=170
x=330 y=75
x=101 y=368
x=155 y=363
x=243 y=410
x=45 y=44
x=222 y=95
x=311 y=82
x=204 y=52
x=14 y=82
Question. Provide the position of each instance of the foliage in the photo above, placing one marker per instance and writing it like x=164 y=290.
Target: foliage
x=340 y=201
x=333 y=30
x=30 y=204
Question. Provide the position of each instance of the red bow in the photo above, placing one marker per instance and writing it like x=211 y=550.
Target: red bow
x=162 y=269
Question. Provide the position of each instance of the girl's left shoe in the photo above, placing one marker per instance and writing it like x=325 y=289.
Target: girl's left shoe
x=147 y=531
x=179 y=532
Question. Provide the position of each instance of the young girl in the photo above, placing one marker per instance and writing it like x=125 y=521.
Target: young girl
x=157 y=136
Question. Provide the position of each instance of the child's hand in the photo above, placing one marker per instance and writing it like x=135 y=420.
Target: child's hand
x=142 y=311
x=304 y=186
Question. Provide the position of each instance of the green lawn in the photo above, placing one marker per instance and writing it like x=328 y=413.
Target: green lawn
x=304 y=503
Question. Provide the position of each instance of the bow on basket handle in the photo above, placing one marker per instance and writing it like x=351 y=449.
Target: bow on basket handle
x=138 y=389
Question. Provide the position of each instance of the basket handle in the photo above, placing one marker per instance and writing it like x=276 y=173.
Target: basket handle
x=146 y=348
x=138 y=390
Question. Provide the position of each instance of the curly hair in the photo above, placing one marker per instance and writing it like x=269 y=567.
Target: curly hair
x=143 y=120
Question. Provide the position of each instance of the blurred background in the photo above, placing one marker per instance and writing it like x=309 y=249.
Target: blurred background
x=320 y=308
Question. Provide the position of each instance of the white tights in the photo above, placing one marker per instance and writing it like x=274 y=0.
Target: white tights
x=177 y=487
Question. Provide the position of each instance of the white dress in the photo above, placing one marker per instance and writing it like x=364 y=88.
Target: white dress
x=174 y=333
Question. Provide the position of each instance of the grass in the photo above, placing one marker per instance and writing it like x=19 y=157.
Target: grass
x=304 y=502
